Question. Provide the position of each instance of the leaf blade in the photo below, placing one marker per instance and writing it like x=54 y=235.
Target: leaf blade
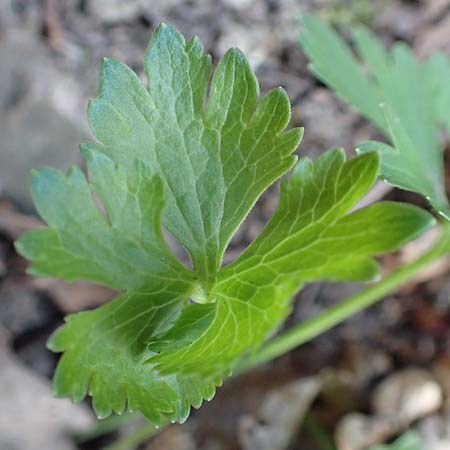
x=206 y=157
x=312 y=236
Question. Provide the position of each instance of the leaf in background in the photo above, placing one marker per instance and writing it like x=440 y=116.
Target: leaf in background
x=402 y=96
x=169 y=338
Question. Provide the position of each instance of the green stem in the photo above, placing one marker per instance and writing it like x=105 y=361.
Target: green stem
x=308 y=330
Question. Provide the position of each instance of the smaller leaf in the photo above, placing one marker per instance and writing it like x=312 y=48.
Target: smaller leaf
x=408 y=101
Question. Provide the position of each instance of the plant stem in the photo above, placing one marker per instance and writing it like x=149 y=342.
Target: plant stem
x=308 y=330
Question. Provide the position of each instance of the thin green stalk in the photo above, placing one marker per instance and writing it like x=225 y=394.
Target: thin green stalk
x=308 y=330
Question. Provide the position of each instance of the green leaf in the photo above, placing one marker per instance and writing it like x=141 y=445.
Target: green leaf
x=214 y=161
x=310 y=237
x=173 y=334
x=105 y=352
x=124 y=250
x=406 y=99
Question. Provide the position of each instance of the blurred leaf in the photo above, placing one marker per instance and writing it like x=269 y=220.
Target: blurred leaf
x=407 y=100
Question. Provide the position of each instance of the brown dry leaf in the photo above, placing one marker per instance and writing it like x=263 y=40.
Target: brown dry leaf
x=435 y=432
x=434 y=9
x=173 y=438
x=441 y=370
x=398 y=400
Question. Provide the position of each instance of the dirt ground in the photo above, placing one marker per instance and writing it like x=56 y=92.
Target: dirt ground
x=50 y=52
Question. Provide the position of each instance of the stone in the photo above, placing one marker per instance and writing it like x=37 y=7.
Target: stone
x=434 y=9
x=279 y=417
x=328 y=121
x=31 y=417
x=358 y=431
x=114 y=11
x=408 y=395
x=238 y=4
x=435 y=432
x=21 y=309
x=254 y=42
x=435 y=37
x=38 y=121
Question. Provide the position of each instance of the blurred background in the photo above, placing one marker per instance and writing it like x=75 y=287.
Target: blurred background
x=312 y=398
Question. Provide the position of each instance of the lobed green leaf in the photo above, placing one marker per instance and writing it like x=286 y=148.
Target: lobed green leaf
x=216 y=161
x=164 y=159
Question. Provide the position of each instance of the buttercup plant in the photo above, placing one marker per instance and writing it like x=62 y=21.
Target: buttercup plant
x=167 y=157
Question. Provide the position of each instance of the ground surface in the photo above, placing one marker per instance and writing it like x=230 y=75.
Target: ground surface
x=50 y=52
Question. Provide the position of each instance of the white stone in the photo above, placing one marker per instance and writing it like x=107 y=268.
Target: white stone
x=408 y=395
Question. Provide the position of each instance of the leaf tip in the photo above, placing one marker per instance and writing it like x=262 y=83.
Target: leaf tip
x=236 y=54
x=165 y=31
x=301 y=133
x=42 y=180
